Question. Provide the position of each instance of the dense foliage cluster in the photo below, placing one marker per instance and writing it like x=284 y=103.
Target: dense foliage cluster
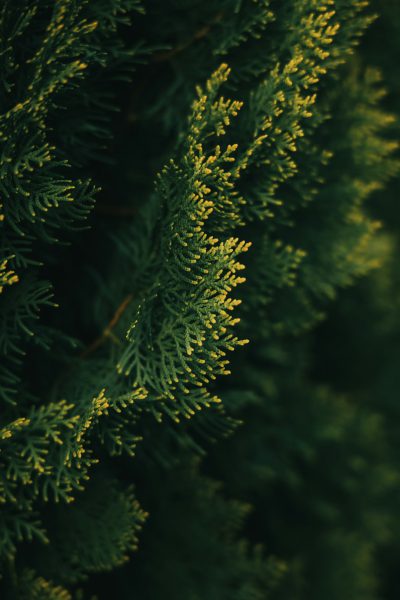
x=199 y=326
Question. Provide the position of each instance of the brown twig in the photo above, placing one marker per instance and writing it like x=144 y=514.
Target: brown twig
x=108 y=331
x=164 y=56
x=198 y=35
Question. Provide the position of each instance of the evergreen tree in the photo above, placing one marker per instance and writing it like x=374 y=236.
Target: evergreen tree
x=186 y=188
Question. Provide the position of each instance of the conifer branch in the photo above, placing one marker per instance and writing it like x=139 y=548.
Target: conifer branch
x=283 y=167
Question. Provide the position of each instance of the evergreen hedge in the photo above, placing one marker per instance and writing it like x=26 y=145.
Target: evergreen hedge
x=199 y=325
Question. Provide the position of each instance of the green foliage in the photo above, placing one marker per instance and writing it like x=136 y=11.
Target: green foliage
x=230 y=135
x=319 y=464
x=95 y=533
x=182 y=327
x=37 y=587
x=220 y=564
